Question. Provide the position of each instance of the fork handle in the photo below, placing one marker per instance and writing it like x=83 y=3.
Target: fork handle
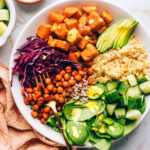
x=61 y=129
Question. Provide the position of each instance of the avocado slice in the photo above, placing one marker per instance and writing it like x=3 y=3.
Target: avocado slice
x=125 y=24
x=3 y=28
x=117 y=35
x=123 y=40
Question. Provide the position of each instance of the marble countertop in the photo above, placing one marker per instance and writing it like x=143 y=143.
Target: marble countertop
x=140 y=138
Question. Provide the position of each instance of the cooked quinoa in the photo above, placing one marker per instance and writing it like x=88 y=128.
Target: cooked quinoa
x=118 y=63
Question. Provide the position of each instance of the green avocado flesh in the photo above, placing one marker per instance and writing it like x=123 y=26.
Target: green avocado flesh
x=117 y=35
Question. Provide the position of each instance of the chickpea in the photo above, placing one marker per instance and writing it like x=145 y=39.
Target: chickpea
x=46 y=97
x=51 y=112
x=62 y=80
x=58 y=84
x=81 y=72
x=85 y=77
x=35 y=89
x=68 y=69
x=65 y=84
x=91 y=80
x=59 y=108
x=54 y=90
x=47 y=81
x=46 y=109
x=40 y=101
x=82 y=82
x=58 y=77
x=74 y=72
x=51 y=97
x=26 y=101
x=22 y=92
x=72 y=81
x=35 y=107
x=38 y=93
x=42 y=120
x=90 y=71
x=39 y=116
x=45 y=115
x=69 y=89
x=80 y=67
x=61 y=100
x=85 y=69
x=50 y=87
x=35 y=98
x=57 y=97
x=67 y=76
x=34 y=114
x=62 y=72
x=64 y=94
x=60 y=90
x=30 y=97
x=40 y=84
x=46 y=91
x=78 y=77
x=29 y=90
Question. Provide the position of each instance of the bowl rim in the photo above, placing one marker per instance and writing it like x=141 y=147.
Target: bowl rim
x=113 y=4
x=11 y=8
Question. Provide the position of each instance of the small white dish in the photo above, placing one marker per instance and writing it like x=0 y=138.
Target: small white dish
x=31 y=28
x=11 y=24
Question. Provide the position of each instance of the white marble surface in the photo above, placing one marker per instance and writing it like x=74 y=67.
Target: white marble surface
x=140 y=138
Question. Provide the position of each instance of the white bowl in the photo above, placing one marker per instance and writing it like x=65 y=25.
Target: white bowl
x=11 y=24
x=30 y=29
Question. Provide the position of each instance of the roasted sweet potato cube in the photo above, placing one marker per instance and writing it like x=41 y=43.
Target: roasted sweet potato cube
x=102 y=29
x=75 y=56
x=73 y=36
x=83 y=20
x=50 y=39
x=73 y=48
x=70 y=11
x=89 y=9
x=44 y=31
x=61 y=31
x=56 y=17
x=71 y=23
x=78 y=14
x=106 y=16
x=83 y=42
x=95 y=21
x=55 y=43
x=85 y=30
x=89 y=53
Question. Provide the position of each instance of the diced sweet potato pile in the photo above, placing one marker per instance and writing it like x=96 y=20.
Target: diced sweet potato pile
x=76 y=31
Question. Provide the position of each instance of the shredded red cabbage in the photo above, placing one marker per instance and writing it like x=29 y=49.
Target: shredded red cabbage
x=35 y=58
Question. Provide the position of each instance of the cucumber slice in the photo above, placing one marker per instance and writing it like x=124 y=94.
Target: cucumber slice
x=135 y=102
x=110 y=108
x=123 y=101
x=145 y=87
x=122 y=121
x=115 y=130
x=129 y=127
x=4 y=15
x=112 y=85
x=3 y=28
x=133 y=91
x=123 y=88
x=133 y=114
x=112 y=96
x=120 y=113
x=132 y=80
x=144 y=79
x=143 y=106
x=2 y=4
